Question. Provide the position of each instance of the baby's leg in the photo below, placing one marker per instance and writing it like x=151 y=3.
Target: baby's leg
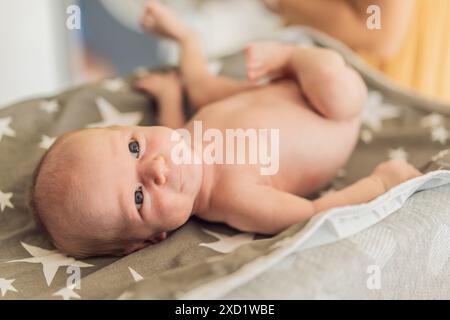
x=202 y=87
x=167 y=90
x=335 y=90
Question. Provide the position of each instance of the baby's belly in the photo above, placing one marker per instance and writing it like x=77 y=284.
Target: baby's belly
x=311 y=149
x=312 y=155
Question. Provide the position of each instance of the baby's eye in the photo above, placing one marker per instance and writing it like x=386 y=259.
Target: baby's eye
x=138 y=198
x=134 y=148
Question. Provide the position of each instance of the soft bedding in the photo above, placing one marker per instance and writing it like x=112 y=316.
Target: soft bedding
x=406 y=238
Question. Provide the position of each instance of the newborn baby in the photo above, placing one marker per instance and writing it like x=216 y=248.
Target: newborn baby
x=116 y=190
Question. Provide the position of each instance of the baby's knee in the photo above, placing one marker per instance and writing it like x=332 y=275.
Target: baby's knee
x=339 y=90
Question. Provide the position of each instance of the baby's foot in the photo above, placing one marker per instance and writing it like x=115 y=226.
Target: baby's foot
x=394 y=172
x=159 y=84
x=162 y=21
x=267 y=59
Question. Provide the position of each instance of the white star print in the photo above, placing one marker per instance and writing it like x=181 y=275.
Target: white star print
x=136 y=276
x=5 y=201
x=440 y=134
x=375 y=111
x=114 y=85
x=6 y=285
x=46 y=142
x=49 y=106
x=432 y=121
x=398 y=154
x=366 y=136
x=111 y=116
x=227 y=244
x=441 y=155
x=67 y=293
x=51 y=261
x=5 y=129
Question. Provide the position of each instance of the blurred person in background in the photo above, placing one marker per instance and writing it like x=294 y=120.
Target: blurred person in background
x=412 y=47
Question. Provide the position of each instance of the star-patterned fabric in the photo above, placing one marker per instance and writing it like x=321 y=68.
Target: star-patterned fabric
x=30 y=267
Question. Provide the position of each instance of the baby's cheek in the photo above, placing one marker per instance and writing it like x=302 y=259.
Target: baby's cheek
x=176 y=210
x=161 y=205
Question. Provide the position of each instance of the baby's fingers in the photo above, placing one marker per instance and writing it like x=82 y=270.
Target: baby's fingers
x=142 y=84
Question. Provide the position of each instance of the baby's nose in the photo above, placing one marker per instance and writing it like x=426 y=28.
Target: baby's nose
x=156 y=170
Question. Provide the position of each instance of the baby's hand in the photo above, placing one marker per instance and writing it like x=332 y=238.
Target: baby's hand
x=159 y=84
x=394 y=172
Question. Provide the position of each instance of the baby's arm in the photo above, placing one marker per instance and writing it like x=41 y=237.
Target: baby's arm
x=263 y=209
x=385 y=176
x=167 y=90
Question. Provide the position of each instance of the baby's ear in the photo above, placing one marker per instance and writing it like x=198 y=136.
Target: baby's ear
x=158 y=238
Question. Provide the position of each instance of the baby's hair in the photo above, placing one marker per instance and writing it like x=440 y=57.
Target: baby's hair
x=34 y=204
x=32 y=201
x=40 y=203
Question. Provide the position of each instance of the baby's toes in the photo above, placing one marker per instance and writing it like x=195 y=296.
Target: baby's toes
x=150 y=8
x=148 y=22
x=156 y=10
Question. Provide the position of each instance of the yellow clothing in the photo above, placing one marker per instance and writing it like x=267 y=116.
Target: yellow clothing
x=423 y=62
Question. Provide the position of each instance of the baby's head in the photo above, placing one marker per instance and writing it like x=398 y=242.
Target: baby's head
x=113 y=191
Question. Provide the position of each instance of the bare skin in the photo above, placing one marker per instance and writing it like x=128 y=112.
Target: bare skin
x=317 y=96
x=346 y=20
x=127 y=183
x=167 y=87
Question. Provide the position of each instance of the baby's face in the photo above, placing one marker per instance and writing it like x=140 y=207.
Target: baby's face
x=129 y=182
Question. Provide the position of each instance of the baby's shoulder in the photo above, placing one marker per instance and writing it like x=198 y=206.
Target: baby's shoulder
x=235 y=185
